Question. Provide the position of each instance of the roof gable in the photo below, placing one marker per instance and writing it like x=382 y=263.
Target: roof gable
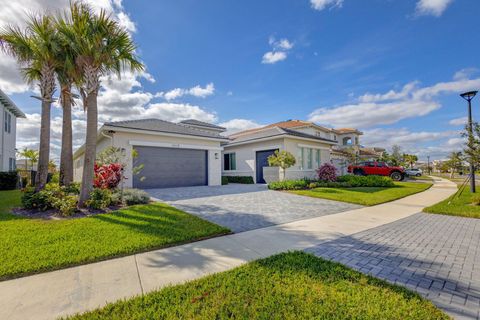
x=157 y=125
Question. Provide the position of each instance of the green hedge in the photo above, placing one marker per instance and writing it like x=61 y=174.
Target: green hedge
x=8 y=180
x=240 y=179
x=367 y=181
x=289 y=185
x=224 y=180
x=347 y=181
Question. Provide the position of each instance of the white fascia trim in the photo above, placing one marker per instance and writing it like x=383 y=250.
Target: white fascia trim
x=267 y=148
x=155 y=133
x=234 y=144
x=301 y=145
x=172 y=145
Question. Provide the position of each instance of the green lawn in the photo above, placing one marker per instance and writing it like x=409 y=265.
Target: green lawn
x=457 y=205
x=367 y=196
x=291 y=285
x=34 y=245
x=423 y=178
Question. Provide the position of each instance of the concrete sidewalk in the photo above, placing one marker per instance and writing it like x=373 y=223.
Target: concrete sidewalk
x=78 y=289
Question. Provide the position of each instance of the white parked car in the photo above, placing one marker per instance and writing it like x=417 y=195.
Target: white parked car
x=414 y=172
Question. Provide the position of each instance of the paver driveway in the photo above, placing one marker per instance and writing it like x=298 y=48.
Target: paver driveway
x=247 y=207
x=435 y=255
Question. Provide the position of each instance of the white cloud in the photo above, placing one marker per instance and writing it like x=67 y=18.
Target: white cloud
x=432 y=7
x=16 y=12
x=391 y=107
x=196 y=91
x=322 y=4
x=458 y=121
x=273 y=57
x=423 y=143
x=236 y=125
x=279 y=50
x=363 y=115
x=465 y=73
x=200 y=92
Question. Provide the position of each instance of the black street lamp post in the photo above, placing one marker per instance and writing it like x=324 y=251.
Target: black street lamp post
x=428 y=165
x=469 y=96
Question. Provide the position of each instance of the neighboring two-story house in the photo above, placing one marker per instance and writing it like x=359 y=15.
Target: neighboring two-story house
x=9 y=113
x=312 y=145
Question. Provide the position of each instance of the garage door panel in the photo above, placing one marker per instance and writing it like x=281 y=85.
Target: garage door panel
x=170 y=167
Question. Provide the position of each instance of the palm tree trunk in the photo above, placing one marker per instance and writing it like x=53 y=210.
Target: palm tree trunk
x=44 y=150
x=66 y=154
x=90 y=148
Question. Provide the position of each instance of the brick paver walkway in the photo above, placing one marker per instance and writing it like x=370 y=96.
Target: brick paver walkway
x=437 y=256
x=247 y=207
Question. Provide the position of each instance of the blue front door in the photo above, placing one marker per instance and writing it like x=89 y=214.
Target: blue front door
x=262 y=161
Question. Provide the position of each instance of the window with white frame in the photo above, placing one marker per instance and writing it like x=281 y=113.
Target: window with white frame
x=309 y=158
x=12 y=165
x=318 y=160
x=300 y=158
x=8 y=122
x=229 y=161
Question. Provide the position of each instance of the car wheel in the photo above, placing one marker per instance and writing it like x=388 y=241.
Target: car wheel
x=418 y=174
x=396 y=176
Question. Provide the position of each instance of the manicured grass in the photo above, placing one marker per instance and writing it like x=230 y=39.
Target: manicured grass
x=425 y=178
x=291 y=285
x=457 y=205
x=367 y=196
x=34 y=245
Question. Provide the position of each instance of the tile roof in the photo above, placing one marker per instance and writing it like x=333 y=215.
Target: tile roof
x=202 y=124
x=271 y=132
x=158 y=125
x=283 y=124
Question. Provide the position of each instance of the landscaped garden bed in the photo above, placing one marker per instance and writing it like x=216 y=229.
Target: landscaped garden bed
x=291 y=285
x=363 y=190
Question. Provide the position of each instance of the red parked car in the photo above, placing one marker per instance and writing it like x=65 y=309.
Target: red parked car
x=377 y=168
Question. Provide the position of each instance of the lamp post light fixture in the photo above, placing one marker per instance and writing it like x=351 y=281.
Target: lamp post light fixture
x=428 y=165
x=469 y=96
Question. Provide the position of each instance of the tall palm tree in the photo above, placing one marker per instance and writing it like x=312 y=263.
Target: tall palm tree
x=101 y=46
x=35 y=50
x=67 y=75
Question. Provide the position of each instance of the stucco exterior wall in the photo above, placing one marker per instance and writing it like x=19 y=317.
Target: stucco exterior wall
x=127 y=141
x=7 y=140
x=245 y=156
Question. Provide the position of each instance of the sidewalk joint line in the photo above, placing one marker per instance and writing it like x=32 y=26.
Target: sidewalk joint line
x=138 y=273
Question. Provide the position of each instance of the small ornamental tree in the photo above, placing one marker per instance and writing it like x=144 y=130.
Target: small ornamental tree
x=327 y=172
x=107 y=176
x=282 y=159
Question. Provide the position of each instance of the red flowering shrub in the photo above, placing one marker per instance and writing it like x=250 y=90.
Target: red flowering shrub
x=107 y=176
x=327 y=172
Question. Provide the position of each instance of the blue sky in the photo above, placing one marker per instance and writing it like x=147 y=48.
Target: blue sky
x=392 y=68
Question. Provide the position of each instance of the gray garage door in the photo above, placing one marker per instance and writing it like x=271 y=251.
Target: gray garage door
x=170 y=167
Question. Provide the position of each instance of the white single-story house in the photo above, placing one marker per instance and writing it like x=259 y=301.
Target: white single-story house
x=181 y=154
x=312 y=145
x=9 y=113
x=193 y=153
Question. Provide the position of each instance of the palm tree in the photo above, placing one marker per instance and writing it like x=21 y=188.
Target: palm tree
x=67 y=75
x=35 y=50
x=410 y=159
x=101 y=46
x=29 y=154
